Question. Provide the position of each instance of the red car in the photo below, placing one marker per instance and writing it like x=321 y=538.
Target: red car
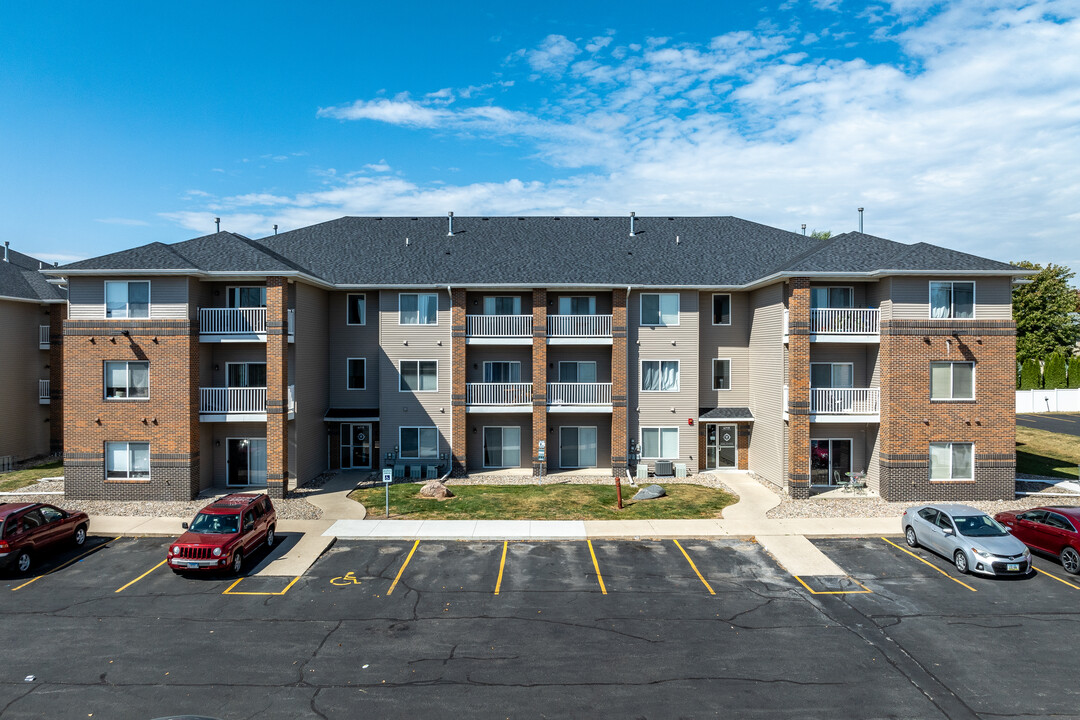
x=224 y=533
x=1051 y=530
x=27 y=530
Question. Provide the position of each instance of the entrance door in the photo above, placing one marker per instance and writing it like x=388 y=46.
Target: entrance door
x=245 y=461
x=356 y=445
x=830 y=461
x=720 y=446
x=577 y=447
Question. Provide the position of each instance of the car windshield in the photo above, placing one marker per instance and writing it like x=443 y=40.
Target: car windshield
x=214 y=524
x=979 y=526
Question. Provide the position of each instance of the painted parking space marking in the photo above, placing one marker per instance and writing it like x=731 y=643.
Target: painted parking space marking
x=692 y=565
x=929 y=564
x=596 y=565
x=345 y=580
x=229 y=590
x=825 y=580
x=1052 y=575
x=60 y=567
x=402 y=570
x=127 y=585
x=502 y=565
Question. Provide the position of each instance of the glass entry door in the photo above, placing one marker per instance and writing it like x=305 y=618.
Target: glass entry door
x=245 y=461
x=577 y=447
x=720 y=446
x=356 y=445
x=830 y=461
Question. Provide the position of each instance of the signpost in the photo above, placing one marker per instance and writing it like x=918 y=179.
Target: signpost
x=387 y=478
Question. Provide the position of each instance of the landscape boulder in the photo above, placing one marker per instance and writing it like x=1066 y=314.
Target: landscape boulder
x=435 y=489
x=650 y=493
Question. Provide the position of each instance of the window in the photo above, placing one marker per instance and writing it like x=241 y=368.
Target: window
x=661 y=309
x=419 y=443
x=660 y=375
x=952 y=300
x=577 y=305
x=419 y=376
x=127 y=380
x=356 y=309
x=418 y=309
x=500 y=371
x=721 y=309
x=127 y=460
x=245 y=375
x=127 y=299
x=357 y=374
x=831 y=375
x=658 y=443
x=502 y=447
x=832 y=297
x=721 y=374
x=952 y=381
x=1052 y=519
x=502 y=305
x=952 y=461
x=247 y=297
x=50 y=514
x=577 y=372
x=577 y=447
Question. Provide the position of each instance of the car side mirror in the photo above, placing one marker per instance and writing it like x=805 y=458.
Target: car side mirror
x=949 y=531
x=183 y=525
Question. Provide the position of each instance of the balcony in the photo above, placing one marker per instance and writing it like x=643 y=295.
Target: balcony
x=498 y=329
x=238 y=324
x=842 y=325
x=578 y=397
x=44 y=396
x=237 y=404
x=579 y=329
x=838 y=405
x=498 y=397
x=43 y=337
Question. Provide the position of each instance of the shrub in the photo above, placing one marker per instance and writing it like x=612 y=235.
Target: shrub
x=1054 y=372
x=1030 y=376
x=1074 y=371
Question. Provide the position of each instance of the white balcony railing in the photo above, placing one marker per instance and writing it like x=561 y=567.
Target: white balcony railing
x=232 y=321
x=498 y=393
x=579 y=393
x=498 y=325
x=232 y=400
x=44 y=395
x=853 y=321
x=845 y=401
x=43 y=337
x=579 y=326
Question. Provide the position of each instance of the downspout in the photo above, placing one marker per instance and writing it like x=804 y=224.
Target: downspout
x=450 y=465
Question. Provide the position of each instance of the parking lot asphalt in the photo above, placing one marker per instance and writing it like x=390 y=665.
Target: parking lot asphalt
x=648 y=628
x=1051 y=422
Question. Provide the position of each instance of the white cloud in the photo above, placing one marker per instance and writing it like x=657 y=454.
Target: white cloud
x=121 y=221
x=553 y=56
x=379 y=167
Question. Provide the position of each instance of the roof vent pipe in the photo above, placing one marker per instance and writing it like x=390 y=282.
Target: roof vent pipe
x=275 y=229
x=632 y=216
x=6 y=246
x=804 y=228
x=450 y=229
x=860 y=219
x=217 y=221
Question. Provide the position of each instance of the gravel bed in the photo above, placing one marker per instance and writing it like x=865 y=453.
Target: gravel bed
x=704 y=479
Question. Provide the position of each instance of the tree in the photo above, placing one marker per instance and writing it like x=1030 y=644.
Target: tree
x=1030 y=377
x=821 y=234
x=1045 y=312
x=1054 y=372
x=1074 y=371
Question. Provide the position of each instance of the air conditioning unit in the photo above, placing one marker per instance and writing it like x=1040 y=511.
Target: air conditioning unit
x=642 y=471
x=664 y=468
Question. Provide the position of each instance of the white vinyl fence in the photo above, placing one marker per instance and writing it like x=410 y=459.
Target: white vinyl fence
x=1036 y=401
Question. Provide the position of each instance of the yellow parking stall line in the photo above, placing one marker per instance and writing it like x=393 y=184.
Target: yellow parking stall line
x=59 y=567
x=502 y=564
x=402 y=570
x=126 y=586
x=696 y=571
x=229 y=590
x=1063 y=582
x=864 y=590
x=929 y=564
x=597 y=566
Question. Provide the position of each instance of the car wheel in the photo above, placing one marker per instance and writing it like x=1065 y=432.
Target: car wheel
x=960 y=560
x=909 y=535
x=80 y=536
x=237 y=562
x=270 y=537
x=23 y=561
x=1070 y=560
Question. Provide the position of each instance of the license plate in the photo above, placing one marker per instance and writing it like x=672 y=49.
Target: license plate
x=1012 y=567
x=193 y=566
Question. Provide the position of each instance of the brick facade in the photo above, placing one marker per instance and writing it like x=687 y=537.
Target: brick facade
x=458 y=443
x=619 y=388
x=798 y=382
x=277 y=387
x=539 y=381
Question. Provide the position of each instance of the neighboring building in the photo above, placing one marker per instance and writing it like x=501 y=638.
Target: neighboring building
x=31 y=332
x=547 y=343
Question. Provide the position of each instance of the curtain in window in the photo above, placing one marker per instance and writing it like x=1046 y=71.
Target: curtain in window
x=428 y=308
x=116 y=458
x=139 y=459
x=511 y=446
x=940 y=381
x=963 y=380
x=940 y=459
x=138 y=380
x=407 y=308
x=587 y=446
x=650 y=442
x=940 y=299
x=116 y=379
x=669 y=443
x=669 y=309
x=842 y=375
x=669 y=376
x=963 y=299
x=650 y=376
x=962 y=466
x=257 y=461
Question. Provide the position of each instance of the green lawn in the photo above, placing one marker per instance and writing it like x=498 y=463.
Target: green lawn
x=21 y=478
x=543 y=502
x=1039 y=452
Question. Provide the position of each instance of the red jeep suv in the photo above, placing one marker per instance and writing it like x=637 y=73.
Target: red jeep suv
x=224 y=533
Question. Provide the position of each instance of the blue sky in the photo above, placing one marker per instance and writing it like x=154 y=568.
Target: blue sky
x=953 y=123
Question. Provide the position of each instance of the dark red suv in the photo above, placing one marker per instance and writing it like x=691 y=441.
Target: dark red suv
x=224 y=533
x=28 y=530
x=1052 y=530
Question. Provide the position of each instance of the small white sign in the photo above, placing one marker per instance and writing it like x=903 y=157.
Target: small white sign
x=543 y=444
x=388 y=475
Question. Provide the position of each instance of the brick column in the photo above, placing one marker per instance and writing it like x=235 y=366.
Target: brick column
x=459 y=465
x=277 y=386
x=539 y=381
x=57 y=315
x=743 y=451
x=798 y=382
x=618 y=383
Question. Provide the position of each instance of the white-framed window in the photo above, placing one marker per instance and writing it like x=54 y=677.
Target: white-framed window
x=575 y=371
x=721 y=374
x=502 y=446
x=356 y=374
x=418 y=309
x=952 y=461
x=127 y=299
x=660 y=309
x=660 y=443
x=577 y=305
x=356 y=309
x=127 y=460
x=721 y=309
x=419 y=376
x=246 y=297
x=127 y=380
x=834 y=296
x=952 y=381
x=502 y=371
x=949 y=299
x=660 y=376
x=418 y=443
x=245 y=375
x=577 y=447
x=832 y=375
x=502 y=305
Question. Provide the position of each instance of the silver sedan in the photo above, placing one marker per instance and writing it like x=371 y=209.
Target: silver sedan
x=973 y=540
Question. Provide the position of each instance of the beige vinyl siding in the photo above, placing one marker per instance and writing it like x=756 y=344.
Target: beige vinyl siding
x=910 y=297
x=474 y=300
x=884 y=299
x=23 y=430
x=767 y=441
x=873 y=295
x=873 y=463
x=354 y=341
x=479 y=354
x=725 y=341
x=425 y=342
x=474 y=441
x=168 y=297
x=602 y=423
x=600 y=354
x=603 y=300
x=859 y=293
x=653 y=409
x=311 y=352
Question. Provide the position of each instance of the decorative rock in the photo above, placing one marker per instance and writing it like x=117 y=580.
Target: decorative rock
x=650 y=493
x=435 y=489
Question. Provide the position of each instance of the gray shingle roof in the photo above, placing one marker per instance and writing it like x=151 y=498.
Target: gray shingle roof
x=20 y=278
x=725 y=413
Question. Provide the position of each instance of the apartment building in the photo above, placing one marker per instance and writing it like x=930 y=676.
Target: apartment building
x=539 y=345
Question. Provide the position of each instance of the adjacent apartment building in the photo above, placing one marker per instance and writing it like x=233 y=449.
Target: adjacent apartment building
x=544 y=344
